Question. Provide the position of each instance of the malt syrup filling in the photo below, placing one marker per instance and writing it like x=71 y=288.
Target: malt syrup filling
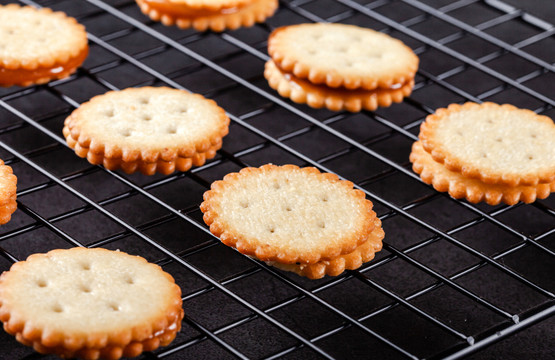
x=25 y=77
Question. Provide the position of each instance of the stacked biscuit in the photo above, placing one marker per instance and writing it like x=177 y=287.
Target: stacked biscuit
x=487 y=152
x=217 y=15
x=297 y=219
x=148 y=129
x=37 y=46
x=90 y=304
x=340 y=67
x=8 y=193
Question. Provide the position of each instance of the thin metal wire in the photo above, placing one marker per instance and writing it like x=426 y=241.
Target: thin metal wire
x=152 y=72
x=356 y=6
x=290 y=108
x=481 y=34
x=502 y=334
x=401 y=211
x=165 y=251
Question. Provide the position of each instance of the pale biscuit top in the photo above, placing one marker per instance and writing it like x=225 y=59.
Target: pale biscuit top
x=149 y=118
x=288 y=214
x=342 y=55
x=83 y=292
x=31 y=37
x=495 y=143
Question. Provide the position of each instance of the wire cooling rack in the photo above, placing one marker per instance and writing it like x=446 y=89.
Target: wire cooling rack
x=453 y=280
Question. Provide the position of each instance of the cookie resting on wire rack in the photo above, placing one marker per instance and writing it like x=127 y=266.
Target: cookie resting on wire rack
x=148 y=129
x=487 y=152
x=215 y=15
x=297 y=219
x=340 y=67
x=90 y=304
x=8 y=193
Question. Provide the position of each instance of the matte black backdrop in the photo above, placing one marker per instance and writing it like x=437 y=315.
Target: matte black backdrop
x=452 y=278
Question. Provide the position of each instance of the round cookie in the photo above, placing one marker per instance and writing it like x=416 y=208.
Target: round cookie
x=335 y=99
x=497 y=144
x=208 y=14
x=288 y=214
x=150 y=129
x=8 y=193
x=351 y=261
x=90 y=304
x=340 y=55
x=38 y=45
x=473 y=190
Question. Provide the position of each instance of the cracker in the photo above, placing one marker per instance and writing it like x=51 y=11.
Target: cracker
x=474 y=190
x=8 y=193
x=497 y=144
x=148 y=129
x=90 y=303
x=351 y=261
x=288 y=214
x=208 y=14
x=335 y=99
x=211 y=4
x=38 y=45
x=340 y=55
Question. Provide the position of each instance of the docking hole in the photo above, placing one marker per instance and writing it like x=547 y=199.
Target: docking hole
x=125 y=132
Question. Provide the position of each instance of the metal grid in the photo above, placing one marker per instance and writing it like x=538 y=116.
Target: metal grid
x=453 y=278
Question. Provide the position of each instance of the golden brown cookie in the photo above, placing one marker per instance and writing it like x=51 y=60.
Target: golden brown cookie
x=340 y=67
x=8 y=193
x=340 y=55
x=149 y=129
x=351 y=261
x=38 y=45
x=335 y=99
x=289 y=215
x=474 y=190
x=208 y=14
x=90 y=304
x=497 y=144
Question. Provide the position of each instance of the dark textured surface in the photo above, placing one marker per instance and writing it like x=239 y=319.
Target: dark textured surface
x=450 y=273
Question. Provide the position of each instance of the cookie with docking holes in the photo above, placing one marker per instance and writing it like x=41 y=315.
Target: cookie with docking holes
x=90 y=304
x=487 y=152
x=340 y=67
x=297 y=219
x=148 y=129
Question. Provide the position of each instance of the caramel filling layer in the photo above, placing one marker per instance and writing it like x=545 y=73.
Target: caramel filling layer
x=184 y=11
x=307 y=85
x=24 y=77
